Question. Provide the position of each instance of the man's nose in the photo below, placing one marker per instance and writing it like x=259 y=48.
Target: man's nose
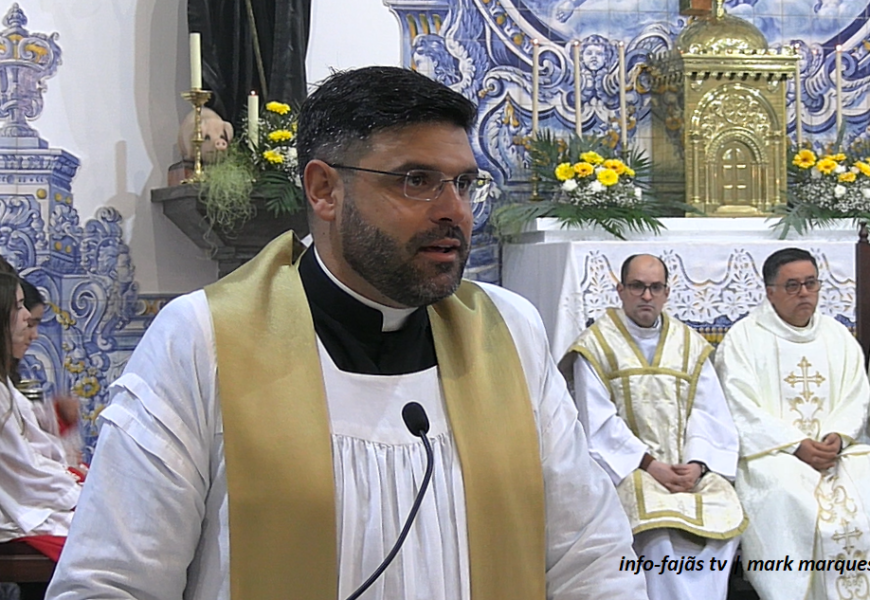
x=450 y=205
x=647 y=294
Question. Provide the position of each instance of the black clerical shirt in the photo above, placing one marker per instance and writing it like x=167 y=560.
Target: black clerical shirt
x=353 y=332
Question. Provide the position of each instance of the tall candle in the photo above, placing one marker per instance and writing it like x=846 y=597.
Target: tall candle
x=536 y=76
x=623 y=114
x=799 y=133
x=254 y=120
x=578 y=100
x=838 y=67
x=195 y=62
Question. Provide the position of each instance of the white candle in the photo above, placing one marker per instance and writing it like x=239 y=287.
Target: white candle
x=253 y=120
x=623 y=114
x=838 y=67
x=536 y=76
x=578 y=100
x=195 y=62
x=799 y=133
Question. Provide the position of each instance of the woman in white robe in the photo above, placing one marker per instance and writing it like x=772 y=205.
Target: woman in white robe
x=37 y=493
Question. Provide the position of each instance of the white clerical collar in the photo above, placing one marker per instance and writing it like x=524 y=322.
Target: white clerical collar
x=643 y=333
x=770 y=320
x=394 y=318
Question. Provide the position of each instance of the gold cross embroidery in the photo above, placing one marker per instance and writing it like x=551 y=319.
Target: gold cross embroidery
x=806 y=423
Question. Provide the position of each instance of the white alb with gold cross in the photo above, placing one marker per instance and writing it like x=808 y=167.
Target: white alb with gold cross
x=785 y=384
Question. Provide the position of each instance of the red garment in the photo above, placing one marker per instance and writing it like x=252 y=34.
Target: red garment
x=50 y=545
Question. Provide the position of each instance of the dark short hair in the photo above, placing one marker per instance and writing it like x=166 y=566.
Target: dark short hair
x=32 y=296
x=770 y=270
x=626 y=265
x=8 y=287
x=338 y=118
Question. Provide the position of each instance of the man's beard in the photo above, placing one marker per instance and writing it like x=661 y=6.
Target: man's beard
x=389 y=268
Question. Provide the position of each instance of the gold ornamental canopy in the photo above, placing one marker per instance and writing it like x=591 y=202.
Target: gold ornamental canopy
x=719 y=116
x=720 y=33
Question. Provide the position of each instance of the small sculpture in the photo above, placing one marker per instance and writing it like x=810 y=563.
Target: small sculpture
x=216 y=135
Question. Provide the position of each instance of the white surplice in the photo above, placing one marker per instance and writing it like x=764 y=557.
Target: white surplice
x=710 y=437
x=155 y=506
x=37 y=493
x=785 y=384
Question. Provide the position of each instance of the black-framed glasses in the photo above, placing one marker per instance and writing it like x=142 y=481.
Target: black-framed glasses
x=793 y=286
x=638 y=288
x=426 y=185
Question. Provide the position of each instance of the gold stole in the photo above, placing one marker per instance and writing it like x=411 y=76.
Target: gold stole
x=278 y=450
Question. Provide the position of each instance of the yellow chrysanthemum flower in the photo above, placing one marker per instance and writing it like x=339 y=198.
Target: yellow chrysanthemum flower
x=863 y=167
x=629 y=172
x=826 y=165
x=278 y=107
x=847 y=177
x=565 y=171
x=615 y=164
x=804 y=159
x=273 y=157
x=583 y=169
x=608 y=177
x=593 y=158
x=837 y=157
x=280 y=135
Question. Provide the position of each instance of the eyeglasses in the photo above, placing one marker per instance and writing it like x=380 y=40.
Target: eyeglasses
x=425 y=185
x=638 y=288
x=793 y=286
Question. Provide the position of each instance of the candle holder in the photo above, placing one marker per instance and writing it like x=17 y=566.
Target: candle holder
x=197 y=98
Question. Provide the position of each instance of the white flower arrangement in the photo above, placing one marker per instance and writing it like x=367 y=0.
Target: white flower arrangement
x=579 y=182
x=826 y=187
x=597 y=181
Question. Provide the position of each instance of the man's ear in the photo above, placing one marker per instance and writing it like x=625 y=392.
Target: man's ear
x=323 y=186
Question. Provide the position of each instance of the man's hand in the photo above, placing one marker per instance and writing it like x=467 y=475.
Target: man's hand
x=820 y=455
x=834 y=441
x=676 y=478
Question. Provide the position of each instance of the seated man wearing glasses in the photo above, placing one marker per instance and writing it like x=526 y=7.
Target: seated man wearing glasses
x=796 y=385
x=658 y=424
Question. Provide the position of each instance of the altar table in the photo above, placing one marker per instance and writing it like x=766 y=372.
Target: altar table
x=714 y=263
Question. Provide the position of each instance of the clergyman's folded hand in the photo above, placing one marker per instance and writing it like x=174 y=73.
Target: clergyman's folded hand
x=819 y=455
x=676 y=478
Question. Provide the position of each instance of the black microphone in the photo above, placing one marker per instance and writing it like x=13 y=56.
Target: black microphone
x=418 y=424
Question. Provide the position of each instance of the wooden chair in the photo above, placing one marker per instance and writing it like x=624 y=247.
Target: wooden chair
x=20 y=563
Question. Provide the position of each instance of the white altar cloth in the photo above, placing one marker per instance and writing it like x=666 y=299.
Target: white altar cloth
x=570 y=275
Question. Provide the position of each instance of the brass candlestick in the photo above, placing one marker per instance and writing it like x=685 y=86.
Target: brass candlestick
x=198 y=98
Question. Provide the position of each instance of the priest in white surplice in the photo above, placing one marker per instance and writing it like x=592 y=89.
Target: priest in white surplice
x=255 y=447
x=796 y=385
x=658 y=423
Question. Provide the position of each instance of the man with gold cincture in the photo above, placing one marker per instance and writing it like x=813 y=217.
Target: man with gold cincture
x=797 y=388
x=658 y=424
x=255 y=448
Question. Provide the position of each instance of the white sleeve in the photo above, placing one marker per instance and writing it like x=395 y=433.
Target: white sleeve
x=587 y=530
x=137 y=527
x=711 y=436
x=33 y=483
x=611 y=443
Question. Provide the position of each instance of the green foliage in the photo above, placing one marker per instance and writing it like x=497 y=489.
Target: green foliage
x=615 y=219
x=226 y=189
x=262 y=168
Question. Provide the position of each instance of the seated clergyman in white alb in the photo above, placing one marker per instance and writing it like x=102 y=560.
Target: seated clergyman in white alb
x=797 y=388
x=658 y=424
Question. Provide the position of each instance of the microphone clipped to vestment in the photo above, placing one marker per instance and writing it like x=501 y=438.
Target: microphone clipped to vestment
x=418 y=424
